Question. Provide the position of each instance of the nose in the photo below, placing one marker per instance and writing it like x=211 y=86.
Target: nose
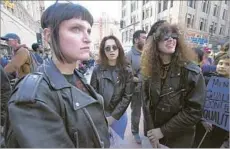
x=87 y=38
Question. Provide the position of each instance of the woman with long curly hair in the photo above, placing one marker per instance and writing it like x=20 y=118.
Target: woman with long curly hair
x=112 y=78
x=174 y=88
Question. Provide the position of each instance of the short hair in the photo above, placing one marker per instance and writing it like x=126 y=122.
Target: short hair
x=137 y=34
x=55 y=14
x=200 y=53
x=224 y=57
x=35 y=46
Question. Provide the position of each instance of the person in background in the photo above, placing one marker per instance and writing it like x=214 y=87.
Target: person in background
x=216 y=135
x=4 y=59
x=113 y=79
x=37 y=48
x=174 y=88
x=133 y=57
x=223 y=50
x=56 y=108
x=20 y=62
x=206 y=68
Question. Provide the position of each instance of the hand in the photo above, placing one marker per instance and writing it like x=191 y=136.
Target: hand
x=135 y=79
x=156 y=133
x=110 y=120
x=207 y=126
x=154 y=142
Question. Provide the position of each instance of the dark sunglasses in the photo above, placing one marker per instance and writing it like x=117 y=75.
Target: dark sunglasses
x=173 y=36
x=109 y=48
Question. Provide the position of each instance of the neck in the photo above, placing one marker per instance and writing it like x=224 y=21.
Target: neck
x=64 y=68
x=112 y=62
x=136 y=47
x=165 y=58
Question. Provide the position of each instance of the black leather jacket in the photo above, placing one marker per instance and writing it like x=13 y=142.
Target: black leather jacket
x=4 y=94
x=116 y=93
x=177 y=106
x=46 y=111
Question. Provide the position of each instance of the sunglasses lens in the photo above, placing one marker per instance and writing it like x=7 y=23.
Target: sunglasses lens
x=173 y=36
x=107 y=49
x=114 y=48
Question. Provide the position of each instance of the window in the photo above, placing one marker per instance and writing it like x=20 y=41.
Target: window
x=191 y=3
x=133 y=6
x=159 y=6
x=189 y=20
x=222 y=30
x=123 y=3
x=224 y=17
x=151 y=11
x=130 y=35
x=123 y=13
x=212 y=28
x=206 y=6
x=123 y=36
x=143 y=15
x=171 y=5
x=201 y=24
x=215 y=10
x=147 y=28
x=145 y=2
x=126 y=36
x=147 y=13
x=165 y=5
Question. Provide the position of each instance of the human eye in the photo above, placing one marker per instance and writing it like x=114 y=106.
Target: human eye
x=76 y=29
x=89 y=31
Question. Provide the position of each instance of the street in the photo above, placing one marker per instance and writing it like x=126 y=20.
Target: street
x=129 y=140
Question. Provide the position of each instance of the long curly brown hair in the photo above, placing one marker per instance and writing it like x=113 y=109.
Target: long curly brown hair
x=150 y=59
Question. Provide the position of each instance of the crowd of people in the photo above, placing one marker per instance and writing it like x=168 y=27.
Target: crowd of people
x=52 y=105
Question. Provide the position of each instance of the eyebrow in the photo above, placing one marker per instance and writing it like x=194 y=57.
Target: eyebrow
x=80 y=25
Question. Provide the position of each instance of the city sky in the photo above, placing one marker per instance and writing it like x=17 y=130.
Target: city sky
x=112 y=8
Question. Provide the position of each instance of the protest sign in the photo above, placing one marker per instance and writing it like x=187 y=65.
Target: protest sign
x=216 y=107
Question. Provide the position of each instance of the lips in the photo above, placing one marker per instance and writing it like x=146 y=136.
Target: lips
x=112 y=54
x=85 y=49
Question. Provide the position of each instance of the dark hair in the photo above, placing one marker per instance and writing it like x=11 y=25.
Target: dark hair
x=224 y=57
x=155 y=27
x=121 y=59
x=35 y=46
x=200 y=53
x=150 y=59
x=137 y=34
x=55 y=15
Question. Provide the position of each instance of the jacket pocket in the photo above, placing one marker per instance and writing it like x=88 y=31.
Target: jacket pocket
x=76 y=138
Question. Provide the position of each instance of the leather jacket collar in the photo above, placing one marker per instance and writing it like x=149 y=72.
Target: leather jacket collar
x=53 y=74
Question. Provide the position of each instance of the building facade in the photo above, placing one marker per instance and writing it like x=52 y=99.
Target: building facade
x=104 y=26
x=203 y=23
x=22 y=18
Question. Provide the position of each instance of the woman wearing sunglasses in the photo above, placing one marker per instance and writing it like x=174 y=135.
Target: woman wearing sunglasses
x=112 y=78
x=174 y=88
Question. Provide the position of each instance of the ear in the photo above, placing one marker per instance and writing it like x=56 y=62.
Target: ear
x=47 y=34
x=136 y=40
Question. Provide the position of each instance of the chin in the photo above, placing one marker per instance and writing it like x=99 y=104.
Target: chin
x=83 y=57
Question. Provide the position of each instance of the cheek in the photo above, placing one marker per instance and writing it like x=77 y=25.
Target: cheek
x=69 y=42
x=161 y=46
